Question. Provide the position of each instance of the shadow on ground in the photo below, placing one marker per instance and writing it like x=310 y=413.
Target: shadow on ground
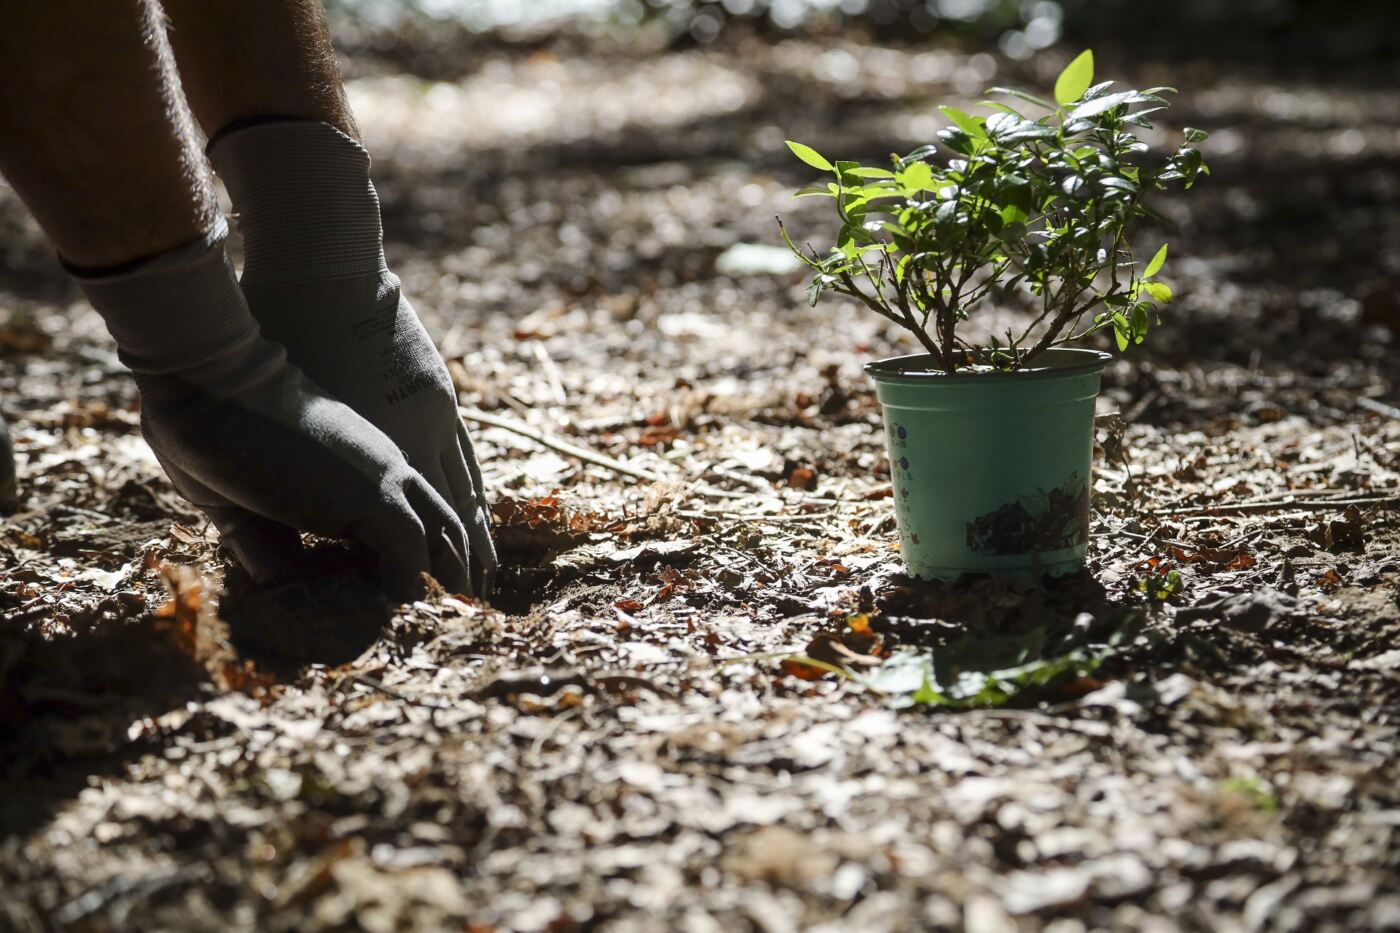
x=70 y=705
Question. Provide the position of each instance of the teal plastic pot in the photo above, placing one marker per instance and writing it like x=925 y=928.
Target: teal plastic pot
x=991 y=470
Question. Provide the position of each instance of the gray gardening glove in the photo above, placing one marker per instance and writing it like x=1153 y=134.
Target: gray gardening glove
x=247 y=438
x=9 y=488
x=315 y=278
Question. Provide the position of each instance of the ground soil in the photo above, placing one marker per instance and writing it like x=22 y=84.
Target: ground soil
x=623 y=739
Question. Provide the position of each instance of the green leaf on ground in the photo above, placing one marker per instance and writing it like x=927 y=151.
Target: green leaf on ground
x=974 y=672
x=1161 y=587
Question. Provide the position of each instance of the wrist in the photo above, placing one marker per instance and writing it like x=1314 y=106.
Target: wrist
x=176 y=313
x=305 y=206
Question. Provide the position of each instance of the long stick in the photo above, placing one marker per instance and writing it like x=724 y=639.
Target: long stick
x=1379 y=407
x=561 y=445
x=1301 y=505
x=618 y=466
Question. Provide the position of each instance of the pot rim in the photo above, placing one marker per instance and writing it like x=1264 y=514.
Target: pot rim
x=1052 y=364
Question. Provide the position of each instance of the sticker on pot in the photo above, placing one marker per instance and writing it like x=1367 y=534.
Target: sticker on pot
x=1039 y=521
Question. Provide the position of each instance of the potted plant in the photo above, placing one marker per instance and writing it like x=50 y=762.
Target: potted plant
x=991 y=443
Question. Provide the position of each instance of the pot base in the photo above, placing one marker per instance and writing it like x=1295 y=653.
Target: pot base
x=1062 y=566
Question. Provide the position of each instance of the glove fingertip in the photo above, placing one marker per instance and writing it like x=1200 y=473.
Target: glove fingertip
x=268 y=553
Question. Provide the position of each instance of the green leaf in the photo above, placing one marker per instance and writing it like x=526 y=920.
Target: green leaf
x=923 y=152
x=965 y=121
x=843 y=168
x=1075 y=79
x=957 y=140
x=862 y=171
x=1156 y=264
x=1122 y=330
x=1140 y=324
x=1028 y=131
x=994 y=105
x=829 y=190
x=1158 y=290
x=916 y=176
x=1194 y=135
x=1139 y=118
x=1000 y=123
x=1122 y=184
x=1014 y=214
x=850 y=235
x=976 y=672
x=810 y=156
x=1097 y=106
x=926 y=695
x=882 y=189
x=1098 y=90
x=1029 y=98
x=1161 y=587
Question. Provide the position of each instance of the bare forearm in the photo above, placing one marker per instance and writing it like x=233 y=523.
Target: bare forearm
x=97 y=145
x=241 y=59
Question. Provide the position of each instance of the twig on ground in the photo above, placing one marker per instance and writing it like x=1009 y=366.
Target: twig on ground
x=548 y=684
x=612 y=463
x=756 y=482
x=810 y=518
x=373 y=684
x=1142 y=545
x=1145 y=539
x=610 y=682
x=554 y=726
x=1242 y=540
x=126 y=890
x=551 y=371
x=561 y=445
x=1300 y=505
x=1380 y=408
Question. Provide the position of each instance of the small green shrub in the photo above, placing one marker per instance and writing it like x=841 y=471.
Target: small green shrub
x=1041 y=203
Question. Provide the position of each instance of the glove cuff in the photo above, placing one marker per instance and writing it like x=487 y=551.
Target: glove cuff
x=180 y=312
x=304 y=204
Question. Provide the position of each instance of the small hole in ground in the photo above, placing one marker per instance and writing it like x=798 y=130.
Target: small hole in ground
x=328 y=614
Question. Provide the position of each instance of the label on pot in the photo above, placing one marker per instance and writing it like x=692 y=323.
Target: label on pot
x=1038 y=521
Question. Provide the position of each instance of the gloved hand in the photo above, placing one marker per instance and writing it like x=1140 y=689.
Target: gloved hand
x=9 y=490
x=315 y=277
x=269 y=453
x=244 y=435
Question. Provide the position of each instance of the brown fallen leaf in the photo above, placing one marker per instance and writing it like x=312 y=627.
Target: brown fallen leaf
x=802 y=478
x=1330 y=580
x=188 y=616
x=855 y=646
x=1216 y=558
x=190 y=621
